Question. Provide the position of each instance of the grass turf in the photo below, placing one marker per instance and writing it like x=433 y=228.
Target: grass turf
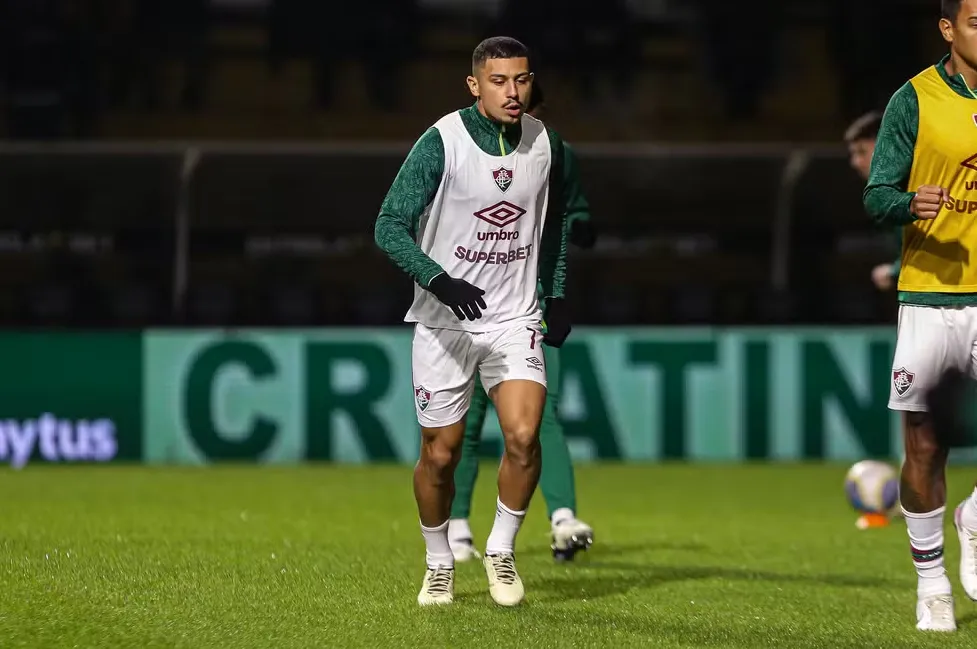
x=685 y=556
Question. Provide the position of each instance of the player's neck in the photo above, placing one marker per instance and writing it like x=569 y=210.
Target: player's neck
x=957 y=66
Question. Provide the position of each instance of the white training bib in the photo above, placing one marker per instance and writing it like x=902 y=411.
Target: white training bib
x=485 y=224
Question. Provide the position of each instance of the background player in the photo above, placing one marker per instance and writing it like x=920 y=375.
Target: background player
x=860 y=139
x=922 y=178
x=465 y=219
x=568 y=533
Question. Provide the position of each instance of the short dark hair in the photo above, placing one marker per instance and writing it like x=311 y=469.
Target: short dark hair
x=865 y=127
x=950 y=9
x=536 y=98
x=498 y=47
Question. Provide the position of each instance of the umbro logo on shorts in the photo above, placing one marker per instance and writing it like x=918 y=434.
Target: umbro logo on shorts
x=535 y=363
x=422 y=396
x=902 y=380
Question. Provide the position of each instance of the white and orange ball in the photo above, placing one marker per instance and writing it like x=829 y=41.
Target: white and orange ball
x=872 y=487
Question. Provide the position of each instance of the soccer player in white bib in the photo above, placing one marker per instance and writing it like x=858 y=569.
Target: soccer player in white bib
x=475 y=216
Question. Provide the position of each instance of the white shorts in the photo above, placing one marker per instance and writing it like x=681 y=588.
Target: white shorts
x=444 y=363
x=930 y=341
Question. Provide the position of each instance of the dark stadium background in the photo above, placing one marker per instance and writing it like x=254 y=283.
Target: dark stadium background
x=187 y=162
x=188 y=277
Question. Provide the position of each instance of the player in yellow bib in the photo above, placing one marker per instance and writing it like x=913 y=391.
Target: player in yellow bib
x=924 y=178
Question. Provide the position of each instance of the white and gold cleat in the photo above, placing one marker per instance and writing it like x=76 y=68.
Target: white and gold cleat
x=438 y=587
x=935 y=613
x=505 y=586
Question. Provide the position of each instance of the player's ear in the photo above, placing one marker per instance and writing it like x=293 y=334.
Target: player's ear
x=473 y=86
x=946 y=29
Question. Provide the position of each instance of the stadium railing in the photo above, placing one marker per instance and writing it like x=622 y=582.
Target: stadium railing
x=134 y=234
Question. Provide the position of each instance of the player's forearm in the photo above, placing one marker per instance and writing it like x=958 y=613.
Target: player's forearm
x=394 y=237
x=887 y=205
x=553 y=257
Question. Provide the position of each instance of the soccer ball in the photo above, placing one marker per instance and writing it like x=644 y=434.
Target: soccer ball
x=872 y=487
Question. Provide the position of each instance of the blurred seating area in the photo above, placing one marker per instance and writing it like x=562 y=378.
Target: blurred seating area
x=692 y=70
x=246 y=235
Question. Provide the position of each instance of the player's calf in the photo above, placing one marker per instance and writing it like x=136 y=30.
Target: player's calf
x=434 y=473
x=434 y=490
x=521 y=465
x=922 y=495
x=519 y=404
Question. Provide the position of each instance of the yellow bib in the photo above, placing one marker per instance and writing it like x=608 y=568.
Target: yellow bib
x=940 y=255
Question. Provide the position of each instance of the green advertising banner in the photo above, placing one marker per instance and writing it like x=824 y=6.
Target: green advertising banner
x=635 y=394
x=70 y=397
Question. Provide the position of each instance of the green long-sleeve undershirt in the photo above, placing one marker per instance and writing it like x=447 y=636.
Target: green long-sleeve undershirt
x=887 y=196
x=577 y=206
x=417 y=183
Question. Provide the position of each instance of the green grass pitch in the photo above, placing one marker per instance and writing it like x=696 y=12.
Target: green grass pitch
x=685 y=556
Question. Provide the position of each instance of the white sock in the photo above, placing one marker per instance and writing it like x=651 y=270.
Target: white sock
x=968 y=513
x=926 y=545
x=502 y=540
x=458 y=530
x=438 y=550
x=561 y=515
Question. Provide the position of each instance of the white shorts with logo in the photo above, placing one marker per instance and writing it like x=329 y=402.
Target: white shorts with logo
x=444 y=363
x=930 y=341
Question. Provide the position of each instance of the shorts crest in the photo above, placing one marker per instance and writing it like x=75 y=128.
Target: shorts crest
x=902 y=380
x=422 y=396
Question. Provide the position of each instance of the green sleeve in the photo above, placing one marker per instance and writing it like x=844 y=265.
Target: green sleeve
x=577 y=207
x=553 y=246
x=897 y=264
x=887 y=195
x=413 y=189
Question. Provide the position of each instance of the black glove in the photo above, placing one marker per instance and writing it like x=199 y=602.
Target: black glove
x=583 y=234
x=463 y=298
x=557 y=318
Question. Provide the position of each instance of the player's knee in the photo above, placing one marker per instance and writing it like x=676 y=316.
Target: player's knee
x=439 y=457
x=522 y=443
